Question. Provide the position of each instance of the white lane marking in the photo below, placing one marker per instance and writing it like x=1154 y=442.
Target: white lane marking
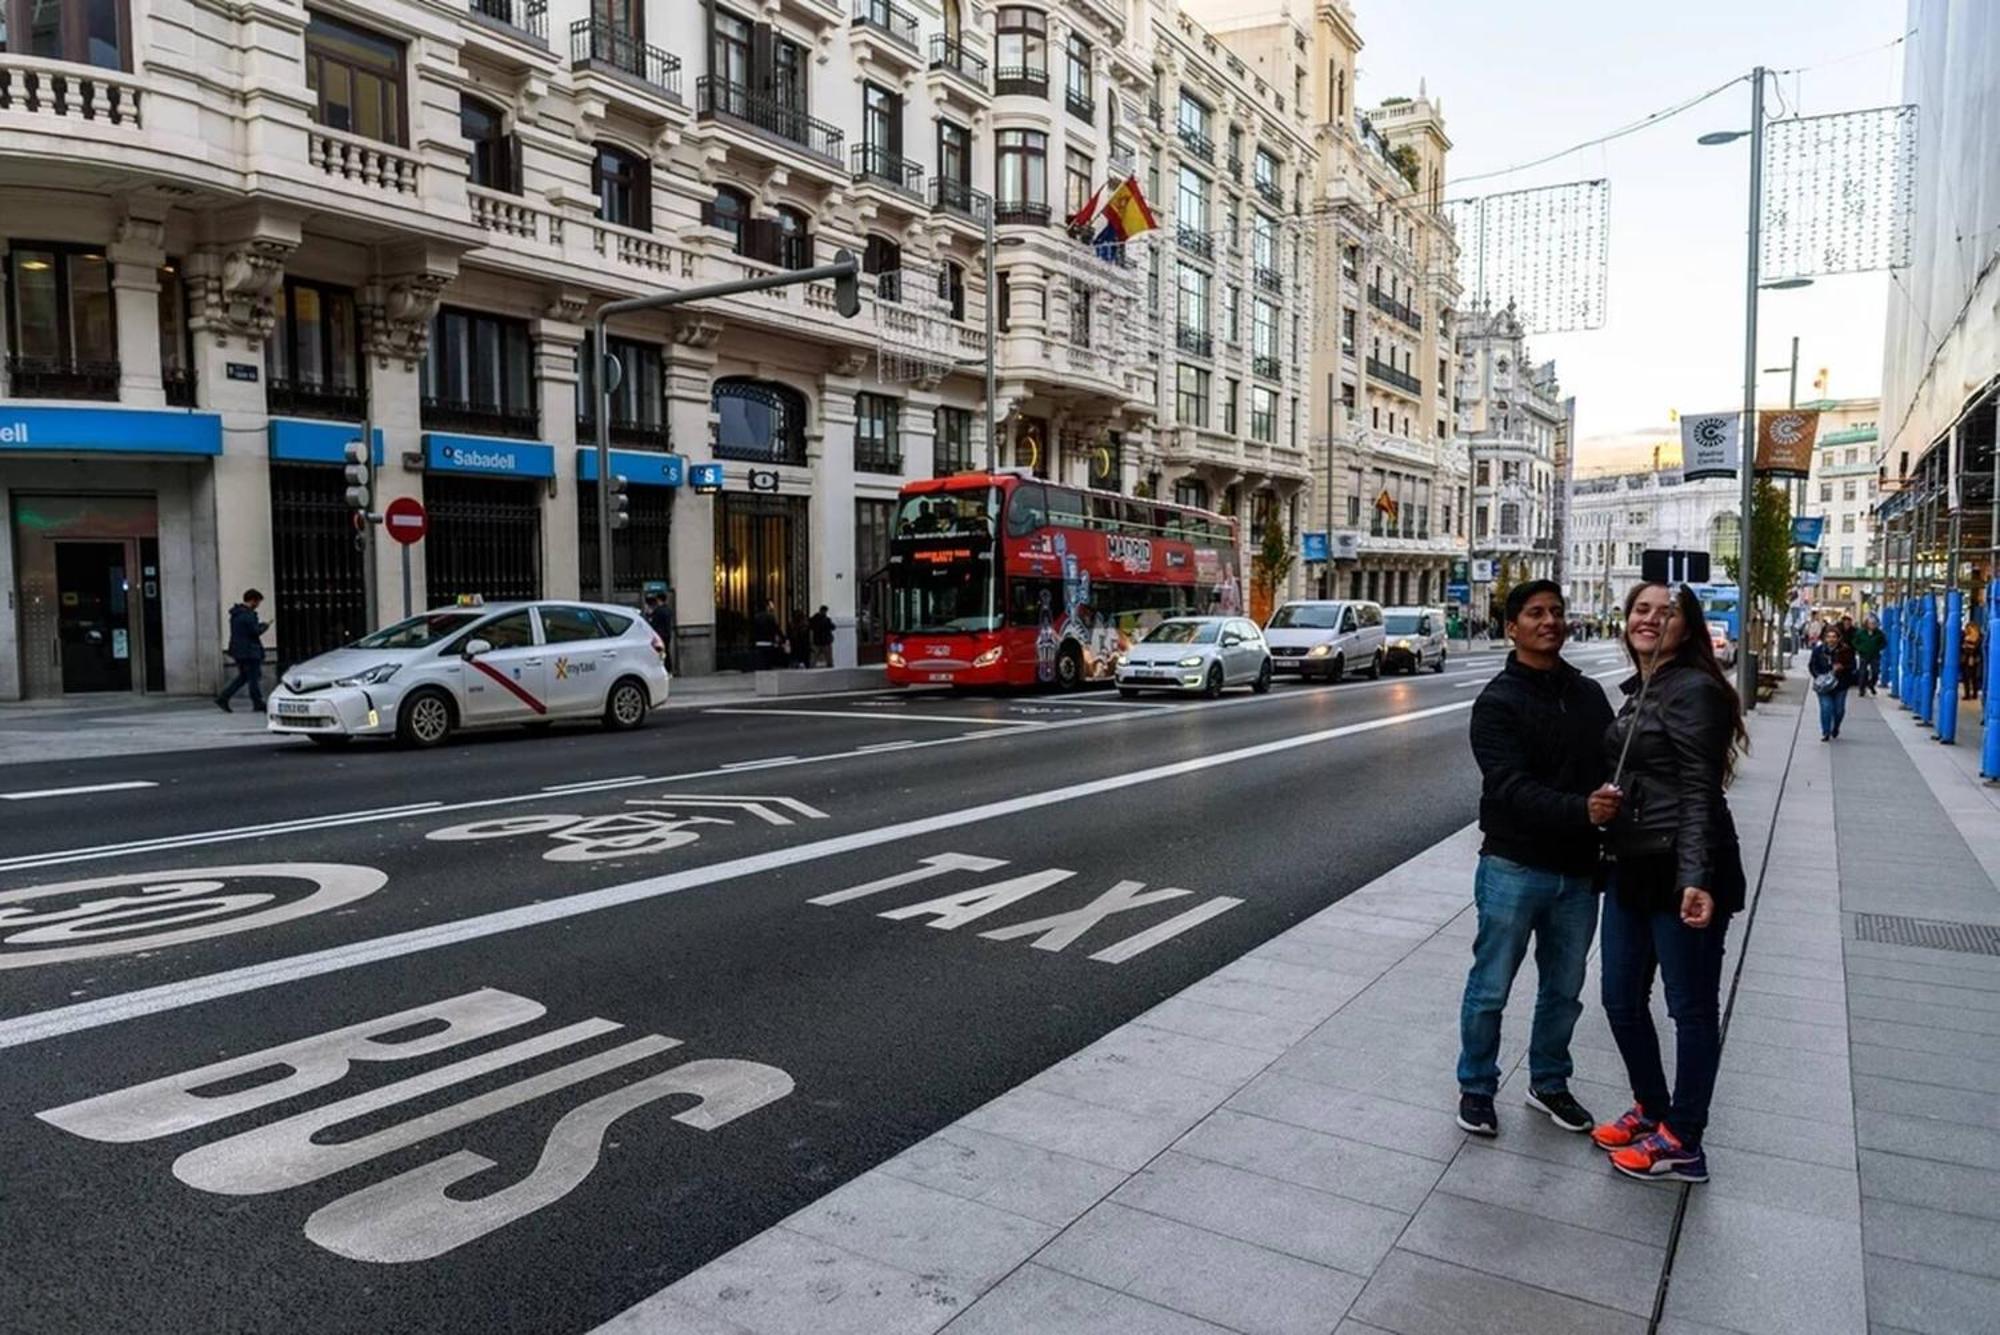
x=1477 y=681
x=898 y=717
x=31 y=795
x=1111 y=704
x=586 y=785
x=766 y=763
x=1119 y=952
x=873 y=747
x=273 y=973
x=194 y=840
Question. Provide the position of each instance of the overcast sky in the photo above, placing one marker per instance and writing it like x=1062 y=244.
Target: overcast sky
x=1524 y=79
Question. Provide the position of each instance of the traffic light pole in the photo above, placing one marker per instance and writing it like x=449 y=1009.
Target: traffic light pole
x=847 y=300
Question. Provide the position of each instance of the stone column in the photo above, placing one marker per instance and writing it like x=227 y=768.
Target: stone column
x=558 y=343
x=136 y=257
x=833 y=507
x=396 y=311
x=690 y=374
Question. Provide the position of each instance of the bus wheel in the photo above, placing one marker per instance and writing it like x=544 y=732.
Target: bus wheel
x=1069 y=669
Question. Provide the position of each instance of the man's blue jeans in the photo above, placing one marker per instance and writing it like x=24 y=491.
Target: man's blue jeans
x=1559 y=913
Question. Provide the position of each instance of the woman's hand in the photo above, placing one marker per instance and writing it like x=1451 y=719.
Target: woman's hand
x=1604 y=805
x=1697 y=907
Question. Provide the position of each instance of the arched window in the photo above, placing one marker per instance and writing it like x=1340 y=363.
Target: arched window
x=730 y=211
x=496 y=162
x=795 y=243
x=951 y=288
x=884 y=259
x=759 y=421
x=624 y=188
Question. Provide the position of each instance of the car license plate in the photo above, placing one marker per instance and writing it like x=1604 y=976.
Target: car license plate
x=294 y=709
x=940 y=676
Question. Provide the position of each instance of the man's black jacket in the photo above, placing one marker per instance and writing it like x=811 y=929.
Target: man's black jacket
x=1539 y=740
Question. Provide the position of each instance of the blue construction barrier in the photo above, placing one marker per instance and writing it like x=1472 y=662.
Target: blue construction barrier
x=1947 y=697
x=1927 y=648
x=1989 y=749
x=1891 y=623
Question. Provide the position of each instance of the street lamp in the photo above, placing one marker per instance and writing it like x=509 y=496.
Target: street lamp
x=1746 y=671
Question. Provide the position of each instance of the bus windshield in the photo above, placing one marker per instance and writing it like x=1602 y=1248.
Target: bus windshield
x=1182 y=632
x=1307 y=616
x=947 y=514
x=946 y=597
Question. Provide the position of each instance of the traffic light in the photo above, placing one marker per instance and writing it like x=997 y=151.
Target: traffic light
x=358 y=472
x=621 y=504
x=847 y=287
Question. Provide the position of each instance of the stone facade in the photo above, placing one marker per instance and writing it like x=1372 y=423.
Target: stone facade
x=1510 y=415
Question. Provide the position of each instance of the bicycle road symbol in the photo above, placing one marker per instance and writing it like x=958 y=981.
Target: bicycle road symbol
x=658 y=825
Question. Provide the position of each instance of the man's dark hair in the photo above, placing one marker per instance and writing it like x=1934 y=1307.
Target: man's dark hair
x=1518 y=596
x=252 y=596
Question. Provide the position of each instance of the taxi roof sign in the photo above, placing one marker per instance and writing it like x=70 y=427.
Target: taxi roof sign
x=471 y=600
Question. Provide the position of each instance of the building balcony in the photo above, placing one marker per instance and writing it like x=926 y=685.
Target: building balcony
x=372 y=165
x=1020 y=81
x=478 y=419
x=51 y=90
x=1389 y=306
x=627 y=434
x=1021 y=213
x=179 y=383
x=876 y=165
x=311 y=398
x=61 y=377
x=1271 y=193
x=525 y=19
x=876 y=457
x=1197 y=143
x=595 y=45
x=959 y=199
x=1269 y=280
x=1081 y=105
x=718 y=99
x=1156 y=114
x=1383 y=373
x=891 y=20
x=956 y=60
x=1267 y=368
x=1196 y=242
x=1195 y=342
x=1235 y=167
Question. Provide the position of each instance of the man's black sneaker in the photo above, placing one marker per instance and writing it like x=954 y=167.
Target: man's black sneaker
x=1475 y=1114
x=1562 y=1109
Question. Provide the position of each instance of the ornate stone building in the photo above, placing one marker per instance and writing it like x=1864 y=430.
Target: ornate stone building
x=1510 y=416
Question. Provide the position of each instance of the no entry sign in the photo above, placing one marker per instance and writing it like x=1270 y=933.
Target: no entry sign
x=405 y=520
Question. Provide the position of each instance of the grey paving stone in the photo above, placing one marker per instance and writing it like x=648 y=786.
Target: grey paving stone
x=1280 y=1003
x=1930 y=1182
x=1070 y=1126
x=1931 y=1237
x=1925 y=1298
x=1773 y=1006
x=1861 y=1005
x=1986 y=966
x=1777 y=1094
x=1006 y=1174
x=1521 y=1246
x=1183 y=1054
x=1418 y=1295
x=1220 y=1024
x=1752 y=1266
x=1295 y=1220
x=1815 y=1073
x=1822 y=1039
x=1936 y=968
x=1789 y=1184
x=1360 y=963
x=1928 y=1038
x=1932 y=994
x=927 y=1232
x=1586 y=1193
x=1320 y=981
x=1351 y=1327
x=1781 y=1136
x=1811 y=987
x=1288 y=1153
x=1919 y=1100
x=1048 y=1302
x=1232 y=1283
x=1927 y=1138
x=1149 y=1091
x=1369 y=1118
x=781 y=1282
x=1423 y=1081
x=1968 y=1073
x=662 y=1315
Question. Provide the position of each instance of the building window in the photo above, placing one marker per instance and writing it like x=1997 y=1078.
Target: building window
x=313 y=365
x=1847 y=523
x=1231 y=391
x=1191 y=396
x=878 y=446
x=953 y=452
x=624 y=188
x=884 y=258
x=1347 y=330
x=1825 y=492
x=1264 y=337
x=176 y=338
x=1264 y=247
x=1079 y=91
x=638 y=404
x=496 y=159
x=61 y=320
x=1192 y=203
x=1847 y=490
x=1192 y=305
x=1021 y=52
x=951 y=288
x=1003 y=303
x=1265 y=175
x=1022 y=161
x=1232 y=315
x=793 y=230
x=478 y=375
x=357 y=78
x=1192 y=121
x=1263 y=415
x=1078 y=184
x=759 y=421
x=882 y=133
x=730 y=211
x=1191 y=492
x=82 y=32
x=954 y=155
x=1079 y=313
x=1510 y=519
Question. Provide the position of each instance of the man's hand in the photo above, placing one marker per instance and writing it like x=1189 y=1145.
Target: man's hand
x=1604 y=805
x=1697 y=907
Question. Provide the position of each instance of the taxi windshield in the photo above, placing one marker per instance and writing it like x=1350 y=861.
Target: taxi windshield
x=420 y=632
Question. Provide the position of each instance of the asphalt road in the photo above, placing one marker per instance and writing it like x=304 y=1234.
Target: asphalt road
x=509 y=1035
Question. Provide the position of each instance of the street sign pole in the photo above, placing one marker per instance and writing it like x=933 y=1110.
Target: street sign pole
x=1746 y=454
x=406 y=581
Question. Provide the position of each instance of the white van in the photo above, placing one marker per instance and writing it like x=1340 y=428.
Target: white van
x=1323 y=640
x=1416 y=638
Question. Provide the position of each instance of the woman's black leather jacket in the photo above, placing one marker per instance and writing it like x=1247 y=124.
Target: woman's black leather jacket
x=1673 y=781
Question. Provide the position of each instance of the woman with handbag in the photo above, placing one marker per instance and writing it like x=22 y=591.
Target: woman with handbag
x=1676 y=878
x=1833 y=668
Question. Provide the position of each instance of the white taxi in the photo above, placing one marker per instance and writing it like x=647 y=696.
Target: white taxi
x=424 y=678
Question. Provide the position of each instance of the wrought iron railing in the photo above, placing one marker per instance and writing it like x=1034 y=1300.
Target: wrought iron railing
x=873 y=162
x=592 y=42
x=1020 y=81
x=893 y=19
x=1388 y=305
x=1080 y=104
x=719 y=97
x=1271 y=193
x=1021 y=211
x=1394 y=375
x=528 y=16
x=1270 y=368
x=1197 y=142
x=178 y=381
x=955 y=58
x=626 y=432
x=1198 y=342
x=485 y=419
x=1236 y=169
x=876 y=457
x=950 y=196
x=312 y=398
x=1269 y=280
x=1196 y=242
x=61 y=378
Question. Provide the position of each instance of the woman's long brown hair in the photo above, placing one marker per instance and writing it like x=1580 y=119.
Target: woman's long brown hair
x=1696 y=651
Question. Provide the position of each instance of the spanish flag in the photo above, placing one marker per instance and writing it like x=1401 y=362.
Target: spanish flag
x=1127 y=212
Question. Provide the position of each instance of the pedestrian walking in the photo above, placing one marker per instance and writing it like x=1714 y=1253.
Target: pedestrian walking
x=1676 y=877
x=768 y=637
x=660 y=616
x=821 y=628
x=1833 y=669
x=798 y=640
x=1537 y=734
x=1969 y=658
x=1869 y=642
x=246 y=651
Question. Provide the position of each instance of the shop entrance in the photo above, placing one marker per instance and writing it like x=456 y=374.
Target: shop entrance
x=760 y=554
x=88 y=586
x=93 y=617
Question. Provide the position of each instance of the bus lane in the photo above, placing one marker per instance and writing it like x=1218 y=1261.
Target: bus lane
x=533 y=1127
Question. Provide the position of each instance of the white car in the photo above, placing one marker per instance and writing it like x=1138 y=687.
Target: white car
x=422 y=679
x=1415 y=638
x=1203 y=654
x=1325 y=639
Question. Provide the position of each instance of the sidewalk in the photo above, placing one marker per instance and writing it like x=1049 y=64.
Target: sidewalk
x=1272 y=1150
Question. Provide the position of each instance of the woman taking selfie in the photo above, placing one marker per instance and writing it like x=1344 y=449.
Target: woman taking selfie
x=1676 y=879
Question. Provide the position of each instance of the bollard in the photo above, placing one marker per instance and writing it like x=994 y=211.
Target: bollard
x=1947 y=697
x=1989 y=750
x=1891 y=622
x=1927 y=642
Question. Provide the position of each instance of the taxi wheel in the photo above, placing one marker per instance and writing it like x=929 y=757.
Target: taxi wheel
x=625 y=707
x=426 y=719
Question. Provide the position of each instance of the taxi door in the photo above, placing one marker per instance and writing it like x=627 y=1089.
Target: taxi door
x=582 y=660
x=509 y=682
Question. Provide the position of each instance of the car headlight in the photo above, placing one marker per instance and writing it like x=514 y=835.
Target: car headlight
x=1402 y=644
x=990 y=657
x=374 y=676
x=1319 y=651
x=1192 y=660
x=895 y=659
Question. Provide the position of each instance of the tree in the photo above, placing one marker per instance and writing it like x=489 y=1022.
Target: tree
x=1506 y=574
x=1772 y=570
x=1405 y=159
x=1269 y=568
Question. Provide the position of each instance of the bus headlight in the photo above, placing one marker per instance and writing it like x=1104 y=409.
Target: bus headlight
x=895 y=659
x=990 y=657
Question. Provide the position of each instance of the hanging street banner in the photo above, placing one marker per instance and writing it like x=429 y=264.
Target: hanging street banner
x=1809 y=562
x=1806 y=530
x=1711 y=445
x=1785 y=442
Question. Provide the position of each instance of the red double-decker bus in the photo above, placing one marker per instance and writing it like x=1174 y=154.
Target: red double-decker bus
x=1005 y=579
